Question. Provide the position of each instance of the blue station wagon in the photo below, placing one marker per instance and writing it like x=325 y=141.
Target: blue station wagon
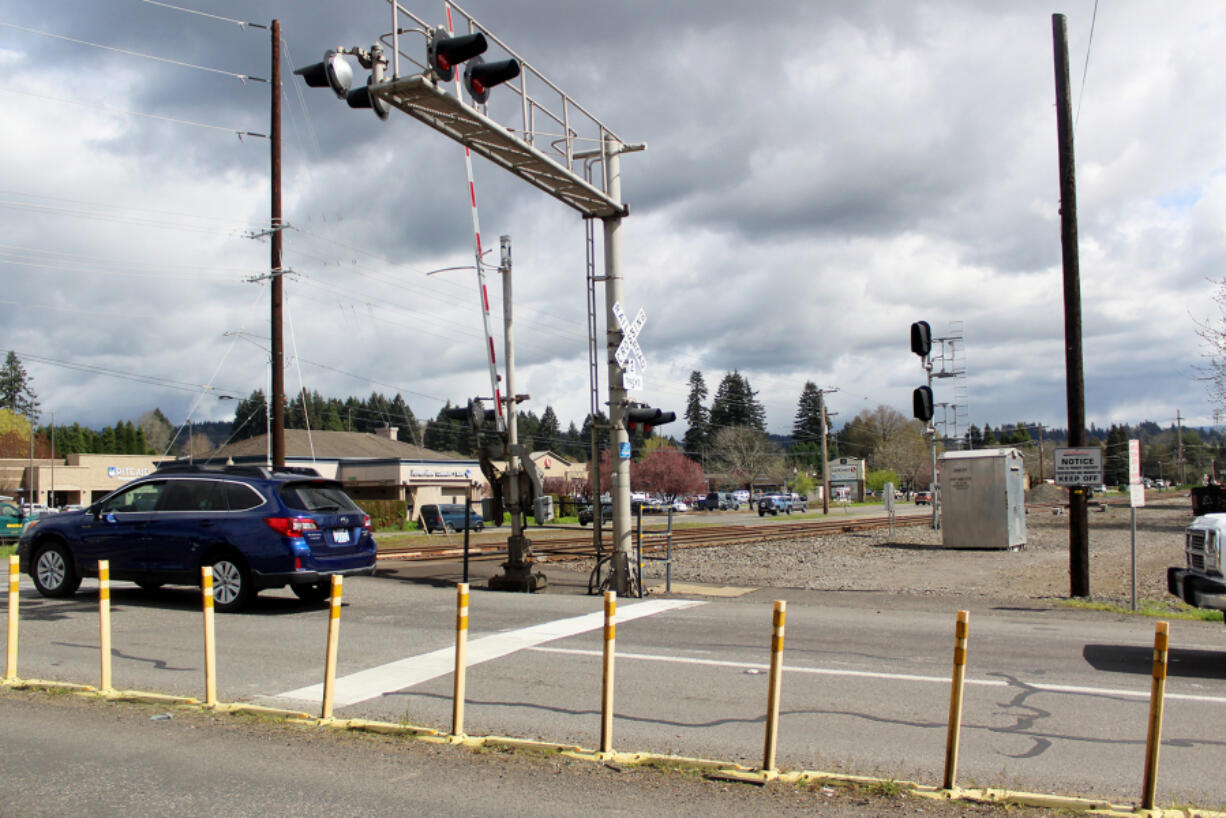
x=257 y=527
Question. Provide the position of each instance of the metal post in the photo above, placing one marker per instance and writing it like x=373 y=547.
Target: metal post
x=461 y=660
x=619 y=438
x=1134 y=557
x=334 y=631
x=606 y=685
x=210 y=642
x=952 y=738
x=775 y=685
x=104 y=622
x=1079 y=532
x=1157 y=705
x=277 y=397
x=10 y=667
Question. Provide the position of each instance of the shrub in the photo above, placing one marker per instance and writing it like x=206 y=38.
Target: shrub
x=385 y=513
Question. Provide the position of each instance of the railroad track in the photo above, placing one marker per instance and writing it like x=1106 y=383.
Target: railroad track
x=580 y=545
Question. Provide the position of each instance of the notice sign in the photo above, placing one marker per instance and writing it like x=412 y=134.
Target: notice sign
x=1079 y=467
x=1136 y=489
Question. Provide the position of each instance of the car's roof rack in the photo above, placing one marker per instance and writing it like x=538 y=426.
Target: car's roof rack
x=245 y=470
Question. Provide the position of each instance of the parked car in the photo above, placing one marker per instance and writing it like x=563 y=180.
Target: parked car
x=800 y=502
x=606 y=514
x=450 y=517
x=774 y=504
x=720 y=501
x=923 y=498
x=255 y=526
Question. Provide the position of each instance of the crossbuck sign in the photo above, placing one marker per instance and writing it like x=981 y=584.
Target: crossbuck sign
x=629 y=355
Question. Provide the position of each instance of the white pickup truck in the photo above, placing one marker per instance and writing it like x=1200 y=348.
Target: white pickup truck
x=1200 y=581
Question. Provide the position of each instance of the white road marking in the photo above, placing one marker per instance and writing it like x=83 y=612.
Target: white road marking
x=393 y=676
x=901 y=677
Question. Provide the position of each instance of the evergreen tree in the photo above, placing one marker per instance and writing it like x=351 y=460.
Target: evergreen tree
x=406 y=423
x=698 y=436
x=15 y=392
x=807 y=427
x=736 y=405
x=1115 y=459
x=549 y=432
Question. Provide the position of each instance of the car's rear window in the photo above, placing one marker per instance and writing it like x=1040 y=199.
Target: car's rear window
x=317 y=495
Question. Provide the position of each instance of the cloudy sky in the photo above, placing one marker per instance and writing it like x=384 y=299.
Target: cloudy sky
x=818 y=175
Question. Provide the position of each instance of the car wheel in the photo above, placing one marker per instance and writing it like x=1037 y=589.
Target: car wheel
x=480 y=526
x=449 y=528
x=314 y=592
x=54 y=574
x=761 y=513
x=231 y=583
x=148 y=584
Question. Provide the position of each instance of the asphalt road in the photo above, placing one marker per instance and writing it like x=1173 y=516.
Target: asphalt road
x=1056 y=700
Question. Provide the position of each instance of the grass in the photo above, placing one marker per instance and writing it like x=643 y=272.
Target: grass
x=1147 y=607
x=7 y=550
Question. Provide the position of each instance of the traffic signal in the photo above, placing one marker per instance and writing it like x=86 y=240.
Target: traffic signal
x=363 y=98
x=921 y=403
x=444 y=52
x=334 y=72
x=921 y=338
x=475 y=413
x=648 y=417
x=480 y=76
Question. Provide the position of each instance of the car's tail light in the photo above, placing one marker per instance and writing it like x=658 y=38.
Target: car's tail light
x=366 y=522
x=291 y=526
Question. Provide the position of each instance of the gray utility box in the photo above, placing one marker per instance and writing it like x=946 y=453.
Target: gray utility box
x=983 y=499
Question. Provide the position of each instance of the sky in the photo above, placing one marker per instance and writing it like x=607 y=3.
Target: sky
x=816 y=177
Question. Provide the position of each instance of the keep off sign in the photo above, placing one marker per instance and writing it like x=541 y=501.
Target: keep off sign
x=1079 y=467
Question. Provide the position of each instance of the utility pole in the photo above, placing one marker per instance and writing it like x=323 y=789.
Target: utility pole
x=277 y=398
x=1079 y=533
x=825 y=457
x=1183 y=472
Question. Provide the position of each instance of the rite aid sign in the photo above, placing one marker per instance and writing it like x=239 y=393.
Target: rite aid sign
x=1079 y=467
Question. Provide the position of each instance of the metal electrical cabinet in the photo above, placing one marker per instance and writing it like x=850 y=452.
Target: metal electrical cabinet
x=983 y=499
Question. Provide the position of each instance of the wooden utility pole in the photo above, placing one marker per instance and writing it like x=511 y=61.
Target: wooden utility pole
x=277 y=399
x=1079 y=534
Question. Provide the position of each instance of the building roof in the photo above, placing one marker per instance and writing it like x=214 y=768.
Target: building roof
x=331 y=446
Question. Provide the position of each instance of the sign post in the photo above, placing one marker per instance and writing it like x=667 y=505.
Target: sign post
x=1136 y=499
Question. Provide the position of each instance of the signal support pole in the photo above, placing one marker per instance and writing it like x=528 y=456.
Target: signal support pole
x=517 y=572
x=619 y=438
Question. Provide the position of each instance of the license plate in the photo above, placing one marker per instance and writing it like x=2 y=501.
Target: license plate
x=340 y=535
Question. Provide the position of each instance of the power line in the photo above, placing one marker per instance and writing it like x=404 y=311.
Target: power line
x=1086 y=69
x=240 y=23
x=239 y=132
x=241 y=77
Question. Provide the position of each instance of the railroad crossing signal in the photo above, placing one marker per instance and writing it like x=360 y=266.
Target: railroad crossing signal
x=649 y=417
x=629 y=355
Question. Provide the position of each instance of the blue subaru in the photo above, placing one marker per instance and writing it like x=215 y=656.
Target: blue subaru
x=257 y=527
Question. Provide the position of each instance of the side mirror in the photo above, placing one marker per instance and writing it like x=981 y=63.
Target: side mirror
x=110 y=517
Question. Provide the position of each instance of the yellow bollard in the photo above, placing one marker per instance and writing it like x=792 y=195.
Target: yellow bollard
x=10 y=668
x=952 y=739
x=104 y=621
x=775 y=685
x=210 y=643
x=461 y=659
x=606 y=686
x=334 y=630
x=1157 y=705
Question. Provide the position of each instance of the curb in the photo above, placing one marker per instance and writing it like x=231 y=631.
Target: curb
x=710 y=768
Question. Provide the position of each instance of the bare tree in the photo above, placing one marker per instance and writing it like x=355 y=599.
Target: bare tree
x=747 y=454
x=906 y=452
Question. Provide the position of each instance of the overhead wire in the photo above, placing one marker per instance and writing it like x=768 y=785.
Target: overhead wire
x=242 y=77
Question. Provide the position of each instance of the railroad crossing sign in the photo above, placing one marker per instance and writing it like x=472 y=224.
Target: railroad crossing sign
x=629 y=355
